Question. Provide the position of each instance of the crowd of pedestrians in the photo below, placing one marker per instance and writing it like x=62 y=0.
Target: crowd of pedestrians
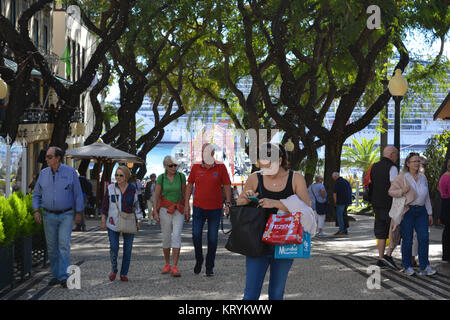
x=166 y=200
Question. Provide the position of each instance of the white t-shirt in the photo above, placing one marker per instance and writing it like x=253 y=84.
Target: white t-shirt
x=421 y=188
x=393 y=173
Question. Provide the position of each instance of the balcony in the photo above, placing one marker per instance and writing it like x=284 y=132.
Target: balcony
x=51 y=57
x=41 y=115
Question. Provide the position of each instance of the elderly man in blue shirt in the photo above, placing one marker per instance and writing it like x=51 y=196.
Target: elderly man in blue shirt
x=58 y=192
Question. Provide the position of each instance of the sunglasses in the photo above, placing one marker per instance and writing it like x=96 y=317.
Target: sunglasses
x=172 y=165
x=49 y=156
x=119 y=175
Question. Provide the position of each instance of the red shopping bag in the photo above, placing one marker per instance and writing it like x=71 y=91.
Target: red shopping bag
x=283 y=228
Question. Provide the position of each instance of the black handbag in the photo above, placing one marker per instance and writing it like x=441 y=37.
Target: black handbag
x=247 y=227
x=321 y=208
x=445 y=212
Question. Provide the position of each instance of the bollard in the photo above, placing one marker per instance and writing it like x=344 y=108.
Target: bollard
x=357 y=193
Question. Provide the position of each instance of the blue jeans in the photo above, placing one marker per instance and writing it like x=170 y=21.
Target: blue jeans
x=340 y=208
x=114 y=250
x=415 y=218
x=58 y=230
x=199 y=216
x=256 y=271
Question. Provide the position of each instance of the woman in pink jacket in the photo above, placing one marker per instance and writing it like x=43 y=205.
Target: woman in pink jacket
x=444 y=188
x=417 y=213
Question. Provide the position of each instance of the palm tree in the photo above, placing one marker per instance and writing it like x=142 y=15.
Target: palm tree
x=362 y=155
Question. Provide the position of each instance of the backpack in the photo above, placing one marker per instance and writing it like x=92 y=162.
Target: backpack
x=148 y=190
x=368 y=190
x=367 y=194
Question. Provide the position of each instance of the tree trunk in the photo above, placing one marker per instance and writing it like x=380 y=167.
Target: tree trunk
x=333 y=149
x=141 y=169
x=311 y=166
x=98 y=126
x=61 y=129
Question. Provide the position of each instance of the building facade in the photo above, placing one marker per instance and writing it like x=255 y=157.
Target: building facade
x=51 y=30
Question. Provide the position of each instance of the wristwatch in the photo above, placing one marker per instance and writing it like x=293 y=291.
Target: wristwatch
x=228 y=204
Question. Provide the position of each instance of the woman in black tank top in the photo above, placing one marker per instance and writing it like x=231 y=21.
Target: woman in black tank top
x=276 y=195
x=275 y=182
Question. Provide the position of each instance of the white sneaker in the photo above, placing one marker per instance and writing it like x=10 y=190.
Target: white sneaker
x=410 y=271
x=429 y=271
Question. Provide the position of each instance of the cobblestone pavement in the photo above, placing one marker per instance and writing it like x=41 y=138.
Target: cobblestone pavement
x=338 y=269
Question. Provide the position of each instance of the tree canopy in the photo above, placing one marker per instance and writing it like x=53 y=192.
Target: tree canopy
x=280 y=64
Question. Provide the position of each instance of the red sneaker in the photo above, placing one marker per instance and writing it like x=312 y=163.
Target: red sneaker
x=166 y=269
x=123 y=278
x=112 y=276
x=175 y=272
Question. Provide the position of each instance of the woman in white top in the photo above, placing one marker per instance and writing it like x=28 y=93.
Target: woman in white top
x=120 y=196
x=418 y=217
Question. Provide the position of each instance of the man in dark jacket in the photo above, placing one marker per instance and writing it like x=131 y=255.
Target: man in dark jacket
x=342 y=198
x=381 y=176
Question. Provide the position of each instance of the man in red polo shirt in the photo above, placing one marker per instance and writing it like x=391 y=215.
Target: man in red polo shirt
x=208 y=178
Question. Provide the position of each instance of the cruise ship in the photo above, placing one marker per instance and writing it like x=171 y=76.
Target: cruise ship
x=417 y=126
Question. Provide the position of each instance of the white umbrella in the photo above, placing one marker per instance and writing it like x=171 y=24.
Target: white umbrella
x=102 y=153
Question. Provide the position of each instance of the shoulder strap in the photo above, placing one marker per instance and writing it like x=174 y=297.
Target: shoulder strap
x=117 y=199
x=181 y=181
x=260 y=184
x=313 y=193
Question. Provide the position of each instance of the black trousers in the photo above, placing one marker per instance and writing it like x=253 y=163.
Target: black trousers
x=445 y=219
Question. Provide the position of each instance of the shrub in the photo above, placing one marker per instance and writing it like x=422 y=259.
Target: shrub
x=8 y=220
x=20 y=194
x=2 y=231
x=35 y=227
x=17 y=218
x=435 y=154
x=24 y=220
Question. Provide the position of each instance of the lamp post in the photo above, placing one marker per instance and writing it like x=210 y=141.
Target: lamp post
x=289 y=146
x=3 y=89
x=8 y=166
x=24 y=165
x=397 y=88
